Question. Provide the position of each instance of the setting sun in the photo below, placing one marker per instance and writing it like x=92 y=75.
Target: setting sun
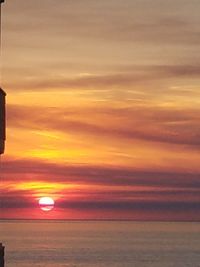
x=46 y=203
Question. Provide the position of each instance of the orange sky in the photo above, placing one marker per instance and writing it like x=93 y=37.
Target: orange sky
x=102 y=109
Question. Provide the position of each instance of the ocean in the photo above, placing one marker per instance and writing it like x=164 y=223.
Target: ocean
x=100 y=244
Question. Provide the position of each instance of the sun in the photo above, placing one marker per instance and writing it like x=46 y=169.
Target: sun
x=46 y=203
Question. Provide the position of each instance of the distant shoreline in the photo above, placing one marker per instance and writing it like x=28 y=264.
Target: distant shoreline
x=97 y=220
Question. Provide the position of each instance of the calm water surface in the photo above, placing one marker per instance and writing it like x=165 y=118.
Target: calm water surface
x=101 y=244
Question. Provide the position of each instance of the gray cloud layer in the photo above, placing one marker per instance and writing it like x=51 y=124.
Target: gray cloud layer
x=99 y=175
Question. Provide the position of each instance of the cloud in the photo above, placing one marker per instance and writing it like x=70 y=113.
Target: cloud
x=108 y=21
x=152 y=124
x=135 y=205
x=121 y=77
x=131 y=206
x=29 y=170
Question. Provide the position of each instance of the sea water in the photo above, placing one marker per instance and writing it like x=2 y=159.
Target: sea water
x=100 y=244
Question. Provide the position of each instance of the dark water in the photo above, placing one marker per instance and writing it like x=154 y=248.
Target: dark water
x=101 y=244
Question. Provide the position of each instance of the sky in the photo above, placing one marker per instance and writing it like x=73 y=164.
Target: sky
x=103 y=109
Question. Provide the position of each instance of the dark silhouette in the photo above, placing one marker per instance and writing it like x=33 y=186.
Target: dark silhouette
x=1 y=255
x=2 y=135
x=2 y=121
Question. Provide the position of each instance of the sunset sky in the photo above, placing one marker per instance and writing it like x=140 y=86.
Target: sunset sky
x=103 y=109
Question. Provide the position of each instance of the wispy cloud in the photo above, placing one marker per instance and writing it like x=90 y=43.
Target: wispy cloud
x=165 y=125
x=128 y=76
